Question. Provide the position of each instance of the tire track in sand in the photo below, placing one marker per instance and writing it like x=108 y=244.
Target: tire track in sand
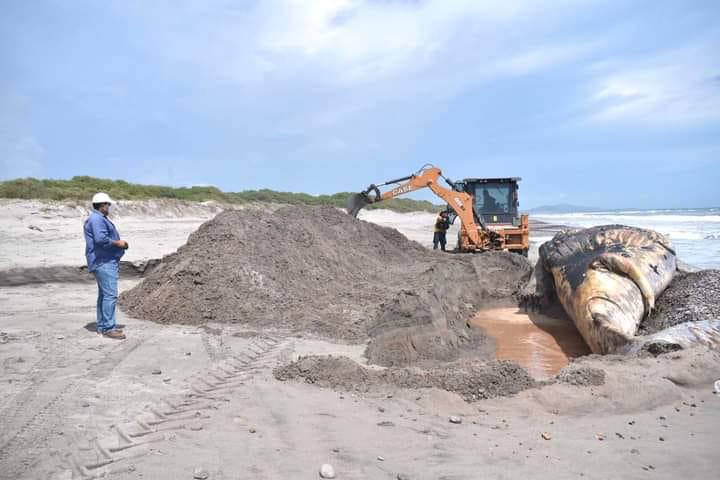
x=35 y=413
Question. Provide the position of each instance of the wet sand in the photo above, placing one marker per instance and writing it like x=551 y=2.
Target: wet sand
x=542 y=344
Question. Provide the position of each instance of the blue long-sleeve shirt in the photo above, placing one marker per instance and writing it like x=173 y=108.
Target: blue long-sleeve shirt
x=99 y=235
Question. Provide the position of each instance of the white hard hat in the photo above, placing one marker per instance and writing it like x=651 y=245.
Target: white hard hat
x=102 y=197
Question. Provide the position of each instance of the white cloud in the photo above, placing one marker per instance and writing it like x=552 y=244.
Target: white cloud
x=362 y=54
x=360 y=41
x=372 y=50
x=535 y=59
x=356 y=30
x=316 y=64
x=670 y=89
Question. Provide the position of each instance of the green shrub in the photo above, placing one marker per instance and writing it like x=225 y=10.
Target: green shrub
x=82 y=188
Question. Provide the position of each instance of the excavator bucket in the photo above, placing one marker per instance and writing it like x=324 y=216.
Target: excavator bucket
x=357 y=202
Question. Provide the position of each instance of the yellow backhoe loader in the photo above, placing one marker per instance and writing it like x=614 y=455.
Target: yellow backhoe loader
x=487 y=208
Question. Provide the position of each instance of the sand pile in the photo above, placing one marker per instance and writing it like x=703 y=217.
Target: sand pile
x=472 y=380
x=318 y=270
x=690 y=297
x=580 y=375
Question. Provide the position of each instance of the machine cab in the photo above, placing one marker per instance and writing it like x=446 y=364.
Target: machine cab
x=496 y=199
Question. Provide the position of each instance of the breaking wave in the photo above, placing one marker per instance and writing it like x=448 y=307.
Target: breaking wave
x=694 y=231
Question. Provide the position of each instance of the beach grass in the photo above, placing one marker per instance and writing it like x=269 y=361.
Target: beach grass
x=82 y=188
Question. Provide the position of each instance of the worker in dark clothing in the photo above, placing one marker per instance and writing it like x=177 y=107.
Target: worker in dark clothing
x=489 y=203
x=441 y=227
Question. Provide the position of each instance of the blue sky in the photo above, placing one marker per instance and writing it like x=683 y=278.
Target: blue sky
x=598 y=103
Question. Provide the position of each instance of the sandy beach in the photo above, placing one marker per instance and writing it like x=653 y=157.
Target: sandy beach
x=76 y=405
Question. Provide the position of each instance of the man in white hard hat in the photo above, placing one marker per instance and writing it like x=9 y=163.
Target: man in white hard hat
x=103 y=250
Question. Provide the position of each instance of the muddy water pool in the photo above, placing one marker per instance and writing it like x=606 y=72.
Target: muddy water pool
x=542 y=344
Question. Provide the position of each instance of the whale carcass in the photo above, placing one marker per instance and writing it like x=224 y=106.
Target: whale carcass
x=607 y=279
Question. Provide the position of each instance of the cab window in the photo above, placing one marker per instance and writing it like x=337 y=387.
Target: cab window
x=493 y=198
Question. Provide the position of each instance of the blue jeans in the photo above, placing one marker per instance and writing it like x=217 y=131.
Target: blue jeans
x=441 y=238
x=106 y=276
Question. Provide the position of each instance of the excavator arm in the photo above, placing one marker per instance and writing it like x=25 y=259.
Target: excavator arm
x=427 y=177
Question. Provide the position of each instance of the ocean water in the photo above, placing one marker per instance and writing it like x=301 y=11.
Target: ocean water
x=695 y=233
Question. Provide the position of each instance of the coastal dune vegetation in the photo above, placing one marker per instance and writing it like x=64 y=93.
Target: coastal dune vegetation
x=81 y=188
